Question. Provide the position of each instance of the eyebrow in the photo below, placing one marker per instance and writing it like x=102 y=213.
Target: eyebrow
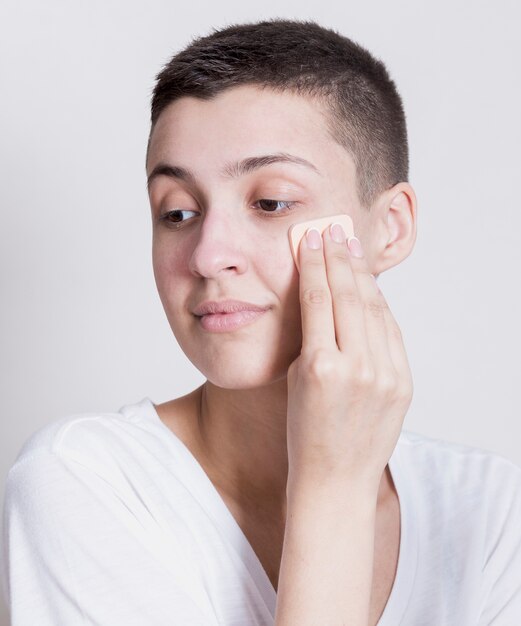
x=231 y=170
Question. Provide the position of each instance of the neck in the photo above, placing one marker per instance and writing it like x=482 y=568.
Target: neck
x=243 y=438
x=239 y=437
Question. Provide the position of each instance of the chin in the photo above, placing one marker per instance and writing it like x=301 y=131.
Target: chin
x=240 y=369
x=241 y=376
x=249 y=361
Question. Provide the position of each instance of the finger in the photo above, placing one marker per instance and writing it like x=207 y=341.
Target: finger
x=384 y=335
x=374 y=305
x=356 y=297
x=388 y=345
x=348 y=313
x=318 y=329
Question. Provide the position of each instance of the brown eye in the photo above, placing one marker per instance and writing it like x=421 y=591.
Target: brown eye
x=174 y=218
x=270 y=206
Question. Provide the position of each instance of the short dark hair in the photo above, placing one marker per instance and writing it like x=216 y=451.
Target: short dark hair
x=363 y=109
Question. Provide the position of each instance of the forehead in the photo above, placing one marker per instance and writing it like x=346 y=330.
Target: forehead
x=241 y=122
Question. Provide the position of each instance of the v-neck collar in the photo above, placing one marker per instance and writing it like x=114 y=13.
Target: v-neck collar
x=211 y=501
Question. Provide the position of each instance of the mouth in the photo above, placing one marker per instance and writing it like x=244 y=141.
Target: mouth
x=227 y=322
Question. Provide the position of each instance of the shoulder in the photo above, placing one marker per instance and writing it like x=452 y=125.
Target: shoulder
x=453 y=457
x=64 y=433
x=75 y=465
x=93 y=440
x=449 y=471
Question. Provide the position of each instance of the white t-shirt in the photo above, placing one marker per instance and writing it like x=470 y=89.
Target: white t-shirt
x=109 y=520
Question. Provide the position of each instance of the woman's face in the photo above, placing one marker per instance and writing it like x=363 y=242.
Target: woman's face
x=227 y=237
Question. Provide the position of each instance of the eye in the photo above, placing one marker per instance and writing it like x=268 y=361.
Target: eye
x=269 y=206
x=174 y=218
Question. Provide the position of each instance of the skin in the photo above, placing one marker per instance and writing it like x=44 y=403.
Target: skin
x=232 y=247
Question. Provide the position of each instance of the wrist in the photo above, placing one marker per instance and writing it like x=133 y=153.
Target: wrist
x=336 y=489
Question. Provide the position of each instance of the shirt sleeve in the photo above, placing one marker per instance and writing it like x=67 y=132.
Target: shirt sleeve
x=501 y=598
x=75 y=554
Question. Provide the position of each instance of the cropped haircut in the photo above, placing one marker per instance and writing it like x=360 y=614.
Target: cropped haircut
x=362 y=107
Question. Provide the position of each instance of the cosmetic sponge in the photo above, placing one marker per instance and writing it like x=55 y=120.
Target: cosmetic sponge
x=297 y=231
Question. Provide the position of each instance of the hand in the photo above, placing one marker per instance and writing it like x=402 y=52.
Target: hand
x=351 y=386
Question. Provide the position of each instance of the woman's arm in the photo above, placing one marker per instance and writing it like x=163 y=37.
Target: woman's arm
x=348 y=393
x=327 y=560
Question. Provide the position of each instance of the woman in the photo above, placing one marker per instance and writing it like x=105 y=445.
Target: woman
x=283 y=490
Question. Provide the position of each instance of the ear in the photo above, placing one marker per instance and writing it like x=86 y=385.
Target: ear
x=394 y=227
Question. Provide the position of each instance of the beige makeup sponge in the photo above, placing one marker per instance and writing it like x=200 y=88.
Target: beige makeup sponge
x=297 y=231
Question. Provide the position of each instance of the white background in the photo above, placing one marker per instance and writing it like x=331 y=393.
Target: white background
x=82 y=326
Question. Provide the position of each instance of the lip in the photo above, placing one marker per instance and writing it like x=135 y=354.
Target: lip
x=212 y=307
x=226 y=322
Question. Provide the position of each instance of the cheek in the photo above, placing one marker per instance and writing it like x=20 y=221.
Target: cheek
x=275 y=260
x=169 y=254
x=168 y=263
x=280 y=272
x=160 y=264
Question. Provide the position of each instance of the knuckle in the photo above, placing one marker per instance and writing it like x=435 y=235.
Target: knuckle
x=374 y=307
x=364 y=376
x=347 y=296
x=315 y=296
x=396 y=332
x=321 y=366
x=388 y=384
x=313 y=261
x=340 y=256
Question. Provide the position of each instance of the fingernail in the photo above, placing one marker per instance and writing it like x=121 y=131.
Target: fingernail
x=355 y=247
x=314 y=238
x=337 y=233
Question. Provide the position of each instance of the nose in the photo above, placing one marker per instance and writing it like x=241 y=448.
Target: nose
x=219 y=246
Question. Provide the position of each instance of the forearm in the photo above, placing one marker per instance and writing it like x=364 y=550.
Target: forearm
x=327 y=559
